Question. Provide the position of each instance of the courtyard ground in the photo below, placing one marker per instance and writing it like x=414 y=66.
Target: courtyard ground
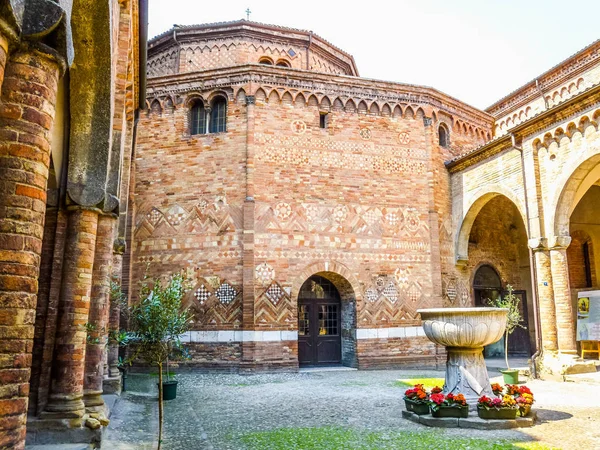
x=345 y=409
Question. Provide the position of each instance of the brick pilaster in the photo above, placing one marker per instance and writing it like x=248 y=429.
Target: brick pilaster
x=99 y=313
x=66 y=397
x=543 y=275
x=565 y=319
x=26 y=116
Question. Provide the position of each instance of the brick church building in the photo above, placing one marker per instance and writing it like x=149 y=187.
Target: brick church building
x=317 y=211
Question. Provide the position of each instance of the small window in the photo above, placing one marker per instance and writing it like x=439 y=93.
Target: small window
x=266 y=61
x=444 y=136
x=198 y=118
x=323 y=120
x=588 y=265
x=218 y=115
x=283 y=63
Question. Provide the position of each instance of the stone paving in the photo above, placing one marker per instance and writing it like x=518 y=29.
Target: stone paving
x=212 y=411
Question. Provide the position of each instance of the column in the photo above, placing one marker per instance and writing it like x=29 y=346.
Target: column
x=543 y=278
x=99 y=314
x=565 y=319
x=66 y=397
x=26 y=116
x=114 y=320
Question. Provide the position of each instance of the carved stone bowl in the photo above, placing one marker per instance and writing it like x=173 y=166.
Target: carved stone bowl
x=464 y=327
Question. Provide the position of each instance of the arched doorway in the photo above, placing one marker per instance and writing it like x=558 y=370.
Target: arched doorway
x=487 y=287
x=319 y=323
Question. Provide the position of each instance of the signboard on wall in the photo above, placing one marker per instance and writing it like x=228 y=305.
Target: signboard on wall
x=588 y=316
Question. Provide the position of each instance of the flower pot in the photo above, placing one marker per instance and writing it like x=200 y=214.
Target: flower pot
x=495 y=414
x=510 y=376
x=451 y=411
x=524 y=410
x=169 y=390
x=418 y=408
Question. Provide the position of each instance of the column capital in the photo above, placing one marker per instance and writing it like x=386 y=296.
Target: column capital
x=559 y=242
x=538 y=244
x=250 y=100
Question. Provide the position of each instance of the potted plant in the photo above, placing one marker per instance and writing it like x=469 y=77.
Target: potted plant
x=513 y=320
x=417 y=399
x=523 y=396
x=504 y=407
x=449 y=405
x=156 y=324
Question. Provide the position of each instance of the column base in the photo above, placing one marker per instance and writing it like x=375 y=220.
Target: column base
x=93 y=401
x=64 y=407
x=112 y=385
x=555 y=365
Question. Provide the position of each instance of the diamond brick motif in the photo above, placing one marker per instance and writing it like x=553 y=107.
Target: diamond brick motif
x=226 y=293
x=371 y=295
x=202 y=294
x=391 y=293
x=274 y=294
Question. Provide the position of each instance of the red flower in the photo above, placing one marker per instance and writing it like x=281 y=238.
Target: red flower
x=437 y=398
x=436 y=390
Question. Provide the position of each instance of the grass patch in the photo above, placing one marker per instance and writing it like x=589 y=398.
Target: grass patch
x=334 y=438
x=427 y=383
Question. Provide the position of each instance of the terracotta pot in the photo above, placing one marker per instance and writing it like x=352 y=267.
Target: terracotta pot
x=495 y=414
x=418 y=408
x=451 y=411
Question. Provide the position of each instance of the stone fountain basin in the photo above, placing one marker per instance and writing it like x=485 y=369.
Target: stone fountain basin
x=464 y=327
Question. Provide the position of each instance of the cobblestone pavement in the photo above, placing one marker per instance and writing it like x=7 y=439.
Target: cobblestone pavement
x=213 y=410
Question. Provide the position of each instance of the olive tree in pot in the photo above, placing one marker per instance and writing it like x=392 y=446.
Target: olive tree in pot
x=513 y=320
x=155 y=326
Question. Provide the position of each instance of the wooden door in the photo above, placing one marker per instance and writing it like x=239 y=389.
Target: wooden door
x=319 y=324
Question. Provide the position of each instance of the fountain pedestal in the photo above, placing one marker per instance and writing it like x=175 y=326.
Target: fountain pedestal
x=464 y=332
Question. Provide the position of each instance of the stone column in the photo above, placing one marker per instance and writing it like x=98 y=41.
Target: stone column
x=66 y=397
x=3 y=55
x=565 y=318
x=543 y=278
x=26 y=116
x=99 y=314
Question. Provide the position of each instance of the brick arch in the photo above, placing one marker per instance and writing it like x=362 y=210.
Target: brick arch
x=337 y=273
x=579 y=176
x=481 y=199
x=576 y=260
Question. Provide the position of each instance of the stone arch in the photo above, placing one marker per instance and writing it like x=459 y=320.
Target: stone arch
x=573 y=186
x=338 y=105
x=362 y=107
x=374 y=108
x=482 y=197
x=325 y=103
x=260 y=94
x=287 y=98
x=397 y=111
x=409 y=113
x=350 y=106
x=386 y=110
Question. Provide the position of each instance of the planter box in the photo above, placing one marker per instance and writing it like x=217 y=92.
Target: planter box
x=169 y=390
x=495 y=414
x=461 y=412
x=524 y=410
x=416 y=407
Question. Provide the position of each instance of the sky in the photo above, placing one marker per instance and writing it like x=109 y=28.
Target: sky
x=476 y=51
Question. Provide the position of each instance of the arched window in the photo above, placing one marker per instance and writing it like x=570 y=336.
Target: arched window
x=486 y=285
x=265 y=60
x=282 y=63
x=218 y=115
x=198 y=118
x=444 y=136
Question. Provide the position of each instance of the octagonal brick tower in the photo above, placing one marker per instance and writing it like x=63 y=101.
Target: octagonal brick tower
x=310 y=206
x=185 y=49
